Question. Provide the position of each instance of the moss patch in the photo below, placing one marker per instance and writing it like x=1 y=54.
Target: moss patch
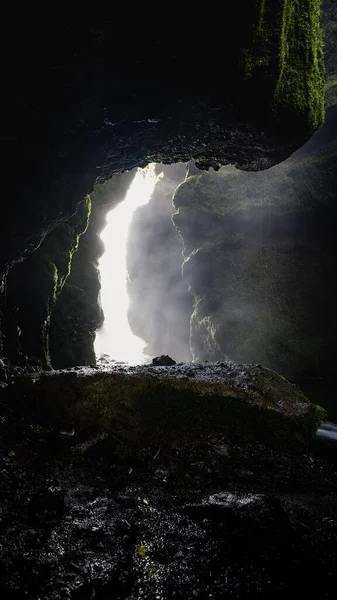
x=301 y=89
x=285 y=59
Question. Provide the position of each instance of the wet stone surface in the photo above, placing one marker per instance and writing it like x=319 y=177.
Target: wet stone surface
x=85 y=516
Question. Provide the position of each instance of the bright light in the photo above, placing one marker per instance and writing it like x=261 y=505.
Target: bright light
x=115 y=337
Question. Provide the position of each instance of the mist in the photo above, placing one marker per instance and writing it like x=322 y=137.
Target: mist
x=160 y=303
x=232 y=265
x=259 y=257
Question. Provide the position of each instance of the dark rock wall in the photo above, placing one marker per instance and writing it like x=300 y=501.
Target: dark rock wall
x=160 y=304
x=109 y=98
x=77 y=312
x=33 y=286
x=52 y=298
x=329 y=23
x=261 y=260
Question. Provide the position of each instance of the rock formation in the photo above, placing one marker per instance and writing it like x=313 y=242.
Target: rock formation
x=191 y=480
x=85 y=110
x=329 y=22
x=77 y=313
x=260 y=257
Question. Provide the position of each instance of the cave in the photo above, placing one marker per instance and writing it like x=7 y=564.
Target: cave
x=167 y=302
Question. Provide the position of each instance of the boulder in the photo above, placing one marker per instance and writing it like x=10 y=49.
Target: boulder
x=146 y=405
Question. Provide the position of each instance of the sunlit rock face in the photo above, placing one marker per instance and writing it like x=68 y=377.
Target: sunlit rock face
x=160 y=303
x=260 y=257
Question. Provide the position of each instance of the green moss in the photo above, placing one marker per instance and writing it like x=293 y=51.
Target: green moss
x=300 y=83
x=64 y=243
x=286 y=59
x=261 y=16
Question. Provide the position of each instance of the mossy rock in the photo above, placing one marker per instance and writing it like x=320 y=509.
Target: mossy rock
x=286 y=53
x=142 y=405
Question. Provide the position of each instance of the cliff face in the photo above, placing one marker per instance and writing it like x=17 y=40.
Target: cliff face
x=33 y=287
x=77 y=313
x=260 y=257
x=52 y=298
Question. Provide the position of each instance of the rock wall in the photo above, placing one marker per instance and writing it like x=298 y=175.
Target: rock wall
x=52 y=298
x=32 y=289
x=260 y=257
x=329 y=23
x=77 y=313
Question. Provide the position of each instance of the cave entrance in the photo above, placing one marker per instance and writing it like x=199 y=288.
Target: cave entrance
x=145 y=300
x=115 y=339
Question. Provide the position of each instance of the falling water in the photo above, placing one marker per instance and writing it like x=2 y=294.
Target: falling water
x=115 y=337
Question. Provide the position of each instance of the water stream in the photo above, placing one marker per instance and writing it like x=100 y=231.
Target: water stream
x=115 y=337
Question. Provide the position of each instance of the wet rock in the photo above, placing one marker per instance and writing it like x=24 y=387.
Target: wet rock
x=126 y=501
x=159 y=405
x=47 y=506
x=163 y=361
x=257 y=508
x=162 y=474
x=3 y=371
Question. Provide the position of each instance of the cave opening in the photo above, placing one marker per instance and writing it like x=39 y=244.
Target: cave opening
x=145 y=303
x=114 y=338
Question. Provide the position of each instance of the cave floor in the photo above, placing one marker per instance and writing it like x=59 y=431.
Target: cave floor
x=89 y=517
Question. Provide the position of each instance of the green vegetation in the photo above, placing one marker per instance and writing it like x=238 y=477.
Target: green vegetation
x=63 y=241
x=286 y=57
x=300 y=83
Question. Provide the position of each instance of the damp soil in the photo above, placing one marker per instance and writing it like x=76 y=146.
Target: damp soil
x=84 y=516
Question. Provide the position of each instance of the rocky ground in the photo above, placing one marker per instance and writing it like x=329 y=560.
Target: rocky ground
x=90 y=514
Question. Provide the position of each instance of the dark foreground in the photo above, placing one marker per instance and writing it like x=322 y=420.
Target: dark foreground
x=87 y=516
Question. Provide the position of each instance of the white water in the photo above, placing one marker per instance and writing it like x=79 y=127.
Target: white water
x=115 y=337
